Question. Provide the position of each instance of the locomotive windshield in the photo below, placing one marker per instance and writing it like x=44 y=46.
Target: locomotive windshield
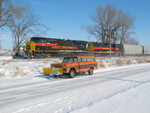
x=37 y=40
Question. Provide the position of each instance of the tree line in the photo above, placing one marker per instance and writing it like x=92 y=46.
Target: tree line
x=110 y=24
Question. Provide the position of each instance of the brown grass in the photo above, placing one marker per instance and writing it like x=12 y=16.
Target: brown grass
x=140 y=61
x=147 y=60
x=101 y=65
x=18 y=72
x=120 y=62
x=129 y=62
x=1 y=74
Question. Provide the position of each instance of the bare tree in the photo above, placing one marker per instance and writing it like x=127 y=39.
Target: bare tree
x=111 y=24
x=129 y=40
x=7 y=10
x=23 y=26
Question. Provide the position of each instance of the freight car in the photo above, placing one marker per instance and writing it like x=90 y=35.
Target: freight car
x=146 y=50
x=132 y=49
x=135 y=50
x=40 y=47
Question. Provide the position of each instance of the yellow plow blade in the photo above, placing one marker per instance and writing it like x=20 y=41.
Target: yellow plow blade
x=57 y=71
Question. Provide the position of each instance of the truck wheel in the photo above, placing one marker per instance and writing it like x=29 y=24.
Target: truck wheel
x=72 y=73
x=90 y=71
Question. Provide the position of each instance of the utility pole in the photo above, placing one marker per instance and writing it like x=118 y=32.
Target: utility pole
x=110 y=45
x=0 y=44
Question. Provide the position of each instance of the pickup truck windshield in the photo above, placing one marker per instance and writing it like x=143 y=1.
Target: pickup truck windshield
x=70 y=59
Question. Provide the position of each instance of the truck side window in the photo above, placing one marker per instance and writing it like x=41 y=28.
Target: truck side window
x=70 y=59
x=84 y=60
x=79 y=60
x=75 y=60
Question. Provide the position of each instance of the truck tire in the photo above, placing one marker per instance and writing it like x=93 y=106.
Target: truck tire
x=90 y=71
x=72 y=73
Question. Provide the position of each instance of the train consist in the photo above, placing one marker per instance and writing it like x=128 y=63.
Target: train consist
x=39 y=47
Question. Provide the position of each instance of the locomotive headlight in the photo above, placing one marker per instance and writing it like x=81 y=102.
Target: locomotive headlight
x=64 y=67
x=52 y=66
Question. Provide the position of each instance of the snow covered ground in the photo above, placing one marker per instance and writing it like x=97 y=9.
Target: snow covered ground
x=116 y=87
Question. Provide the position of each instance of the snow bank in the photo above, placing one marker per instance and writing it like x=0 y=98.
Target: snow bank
x=6 y=57
x=6 y=53
x=29 y=67
x=23 y=67
x=122 y=61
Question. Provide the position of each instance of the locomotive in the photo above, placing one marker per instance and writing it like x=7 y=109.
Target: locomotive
x=41 y=47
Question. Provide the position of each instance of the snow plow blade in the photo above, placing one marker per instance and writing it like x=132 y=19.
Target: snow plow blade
x=53 y=71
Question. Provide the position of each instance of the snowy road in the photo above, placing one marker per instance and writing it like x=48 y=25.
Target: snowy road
x=124 y=89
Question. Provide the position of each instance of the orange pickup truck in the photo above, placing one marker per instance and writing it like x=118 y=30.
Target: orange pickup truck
x=73 y=65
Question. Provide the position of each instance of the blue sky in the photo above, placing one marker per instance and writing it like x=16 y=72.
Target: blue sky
x=66 y=17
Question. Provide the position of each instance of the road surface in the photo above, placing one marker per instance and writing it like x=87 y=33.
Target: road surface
x=63 y=95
